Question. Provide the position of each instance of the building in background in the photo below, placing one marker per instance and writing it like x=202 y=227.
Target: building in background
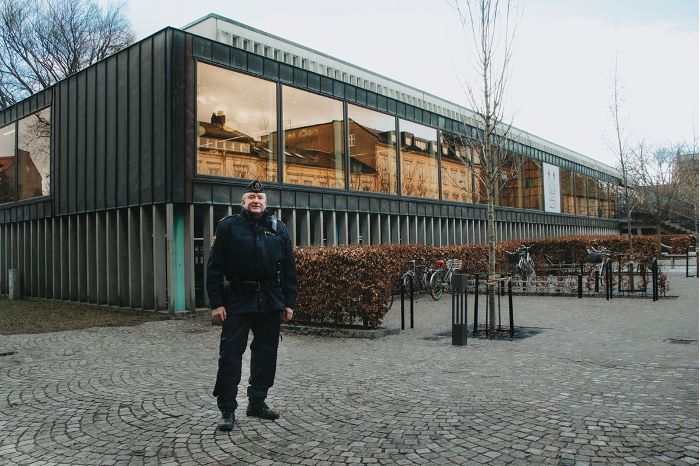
x=137 y=157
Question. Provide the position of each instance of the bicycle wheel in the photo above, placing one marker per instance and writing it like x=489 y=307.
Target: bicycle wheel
x=407 y=279
x=436 y=284
x=531 y=277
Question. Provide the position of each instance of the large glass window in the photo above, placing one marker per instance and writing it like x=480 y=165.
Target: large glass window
x=237 y=118
x=7 y=163
x=532 y=184
x=592 y=194
x=566 y=186
x=455 y=159
x=581 y=201
x=510 y=192
x=419 y=164
x=372 y=138
x=613 y=209
x=34 y=155
x=313 y=139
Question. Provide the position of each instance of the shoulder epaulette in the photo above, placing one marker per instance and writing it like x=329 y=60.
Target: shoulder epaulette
x=228 y=216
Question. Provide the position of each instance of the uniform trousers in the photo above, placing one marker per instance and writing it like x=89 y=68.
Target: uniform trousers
x=263 y=356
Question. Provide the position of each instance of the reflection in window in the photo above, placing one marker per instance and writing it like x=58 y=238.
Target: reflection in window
x=613 y=211
x=373 y=156
x=7 y=163
x=581 y=201
x=566 y=186
x=510 y=194
x=34 y=155
x=313 y=139
x=457 y=180
x=532 y=185
x=237 y=125
x=592 y=194
x=418 y=149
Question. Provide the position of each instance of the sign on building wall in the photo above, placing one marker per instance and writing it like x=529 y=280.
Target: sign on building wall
x=552 y=195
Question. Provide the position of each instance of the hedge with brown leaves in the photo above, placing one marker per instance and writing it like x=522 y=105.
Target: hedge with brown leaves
x=679 y=243
x=350 y=285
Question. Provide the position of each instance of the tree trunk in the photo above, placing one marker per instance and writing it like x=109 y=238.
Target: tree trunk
x=658 y=239
x=491 y=238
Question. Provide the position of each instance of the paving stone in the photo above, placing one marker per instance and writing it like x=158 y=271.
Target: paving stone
x=600 y=384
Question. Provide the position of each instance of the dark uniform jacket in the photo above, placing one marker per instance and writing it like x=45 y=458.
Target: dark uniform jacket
x=247 y=249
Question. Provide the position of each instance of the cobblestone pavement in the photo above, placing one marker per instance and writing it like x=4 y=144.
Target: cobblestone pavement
x=603 y=382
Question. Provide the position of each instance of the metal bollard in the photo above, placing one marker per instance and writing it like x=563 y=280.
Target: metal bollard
x=510 y=306
x=15 y=291
x=655 y=279
x=580 y=286
x=597 y=280
x=476 y=304
x=459 y=309
x=411 y=288
x=403 y=292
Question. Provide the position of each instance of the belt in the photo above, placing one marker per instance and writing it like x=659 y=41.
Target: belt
x=252 y=286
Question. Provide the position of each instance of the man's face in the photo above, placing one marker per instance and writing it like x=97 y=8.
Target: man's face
x=255 y=202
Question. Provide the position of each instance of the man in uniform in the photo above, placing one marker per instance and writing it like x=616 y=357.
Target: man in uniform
x=252 y=285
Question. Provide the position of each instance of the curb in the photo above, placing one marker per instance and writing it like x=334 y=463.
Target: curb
x=340 y=332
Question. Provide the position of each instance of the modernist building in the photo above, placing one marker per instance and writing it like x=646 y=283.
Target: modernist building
x=112 y=180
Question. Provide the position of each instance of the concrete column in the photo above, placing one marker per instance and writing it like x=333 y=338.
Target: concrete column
x=101 y=243
x=304 y=219
x=385 y=220
x=123 y=256
x=161 y=262
x=112 y=259
x=190 y=296
x=366 y=228
x=91 y=253
x=47 y=259
x=354 y=228
x=342 y=218
x=405 y=229
x=34 y=251
x=317 y=226
x=374 y=228
x=146 y=238
x=394 y=227
x=134 y=241
x=82 y=251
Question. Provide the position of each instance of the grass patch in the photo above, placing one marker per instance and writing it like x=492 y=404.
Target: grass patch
x=41 y=316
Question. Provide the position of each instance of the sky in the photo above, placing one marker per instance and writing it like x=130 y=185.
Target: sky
x=562 y=71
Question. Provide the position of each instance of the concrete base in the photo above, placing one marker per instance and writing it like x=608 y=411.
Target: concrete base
x=342 y=332
x=14 y=289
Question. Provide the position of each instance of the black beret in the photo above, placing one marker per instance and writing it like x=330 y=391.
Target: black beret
x=255 y=186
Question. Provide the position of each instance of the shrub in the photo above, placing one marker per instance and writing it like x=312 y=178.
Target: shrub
x=351 y=284
x=679 y=243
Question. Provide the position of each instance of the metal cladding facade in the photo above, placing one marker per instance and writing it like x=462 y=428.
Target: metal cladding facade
x=127 y=221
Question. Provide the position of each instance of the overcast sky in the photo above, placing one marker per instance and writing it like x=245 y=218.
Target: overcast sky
x=563 y=63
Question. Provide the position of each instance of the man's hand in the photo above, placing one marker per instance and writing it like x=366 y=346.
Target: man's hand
x=218 y=315
x=287 y=314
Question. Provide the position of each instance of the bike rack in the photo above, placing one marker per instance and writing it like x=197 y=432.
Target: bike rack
x=410 y=295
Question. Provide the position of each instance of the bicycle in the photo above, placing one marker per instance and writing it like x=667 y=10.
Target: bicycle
x=418 y=274
x=599 y=258
x=525 y=267
x=441 y=279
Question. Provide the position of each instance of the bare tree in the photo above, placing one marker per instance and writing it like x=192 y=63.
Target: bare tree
x=658 y=189
x=620 y=147
x=491 y=25
x=43 y=41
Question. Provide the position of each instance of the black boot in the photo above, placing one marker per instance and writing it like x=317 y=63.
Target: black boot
x=261 y=410
x=228 y=418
